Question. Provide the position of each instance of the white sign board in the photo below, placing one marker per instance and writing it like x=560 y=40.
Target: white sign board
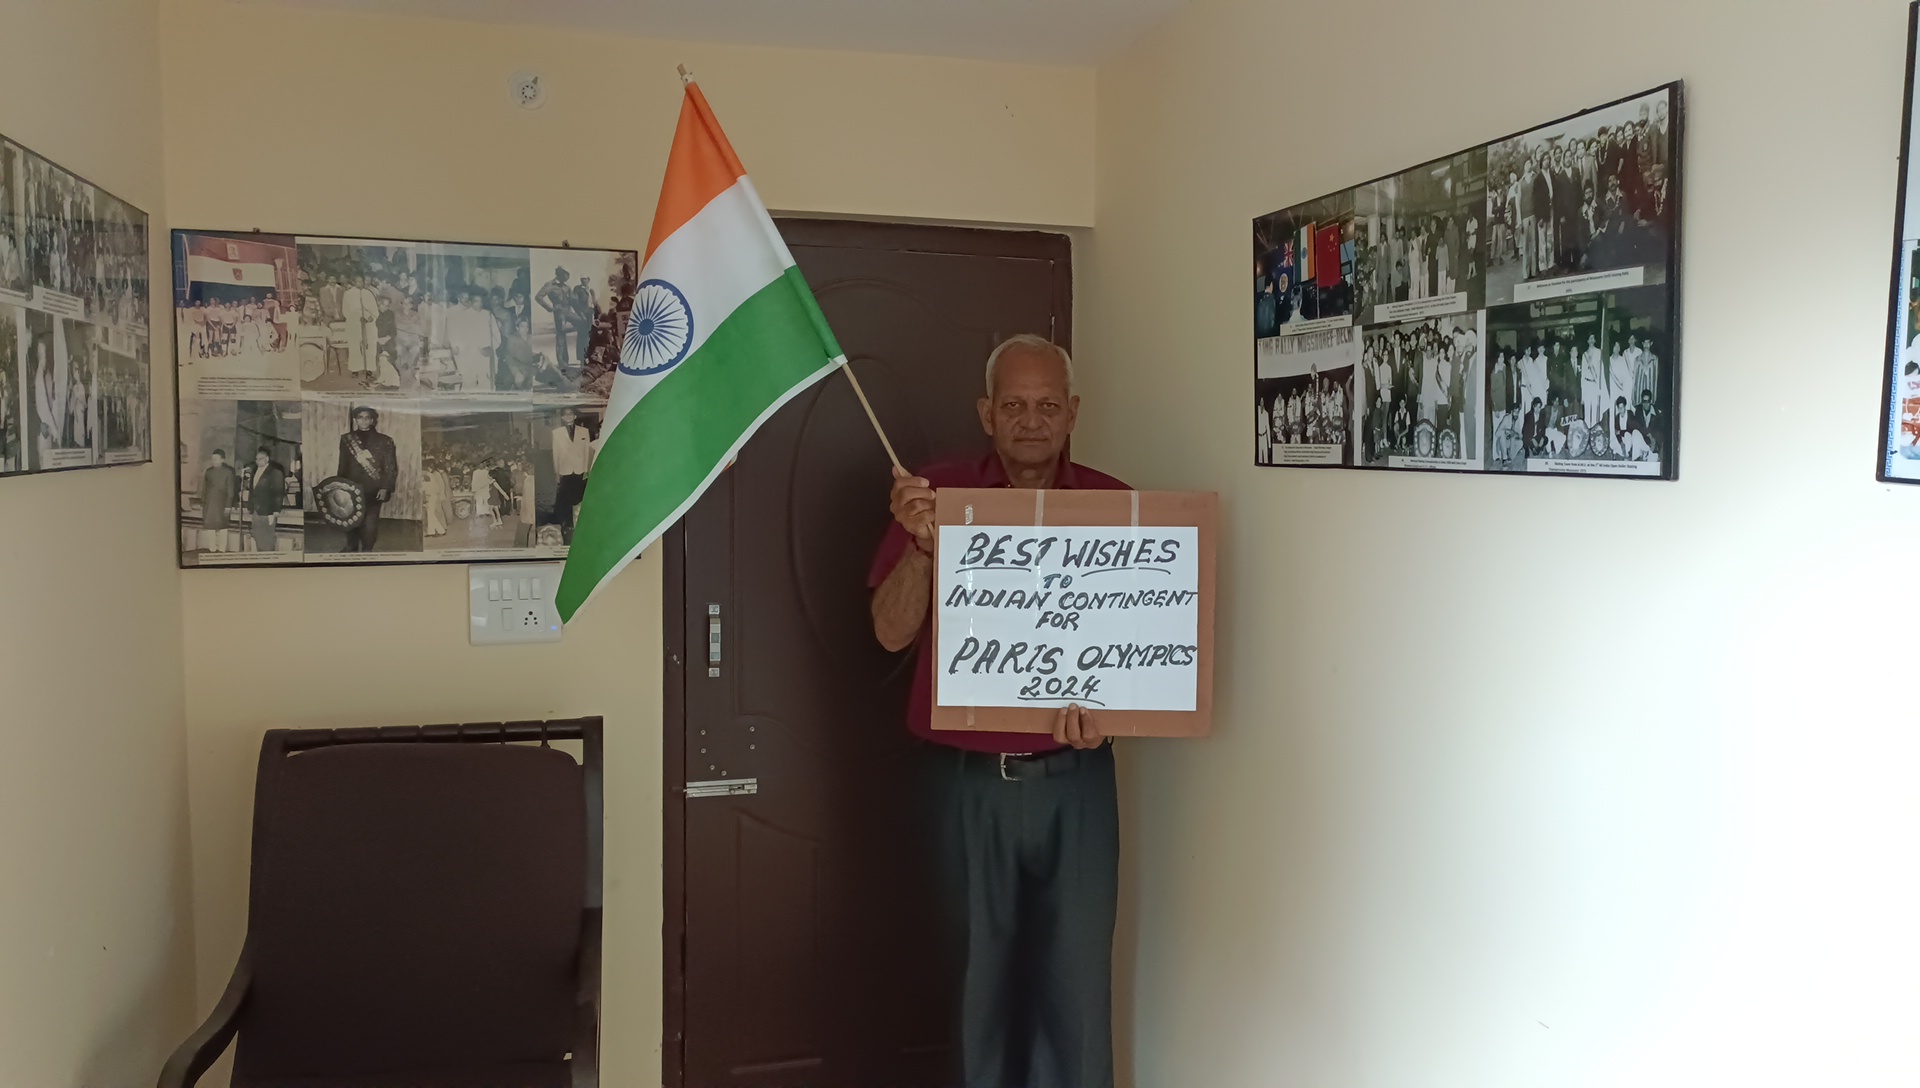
x=1102 y=616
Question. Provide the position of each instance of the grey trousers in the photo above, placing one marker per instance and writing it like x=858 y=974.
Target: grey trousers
x=1035 y=861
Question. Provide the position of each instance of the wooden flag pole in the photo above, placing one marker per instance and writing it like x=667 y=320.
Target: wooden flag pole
x=871 y=418
x=686 y=77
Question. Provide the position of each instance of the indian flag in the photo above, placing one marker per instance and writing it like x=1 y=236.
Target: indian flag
x=723 y=332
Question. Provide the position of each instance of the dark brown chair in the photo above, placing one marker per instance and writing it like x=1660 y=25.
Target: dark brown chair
x=424 y=912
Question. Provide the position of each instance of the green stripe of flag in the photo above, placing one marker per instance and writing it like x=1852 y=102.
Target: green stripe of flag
x=674 y=440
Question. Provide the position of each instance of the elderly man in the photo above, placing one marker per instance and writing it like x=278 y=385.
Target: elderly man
x=1031 y=822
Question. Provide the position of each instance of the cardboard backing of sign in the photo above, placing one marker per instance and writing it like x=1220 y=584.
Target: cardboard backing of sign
x=1011 y=506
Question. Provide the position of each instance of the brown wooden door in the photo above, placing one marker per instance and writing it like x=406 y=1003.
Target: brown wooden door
x=800 y=943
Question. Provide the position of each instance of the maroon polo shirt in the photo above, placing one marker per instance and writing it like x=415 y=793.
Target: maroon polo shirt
x=983 y=472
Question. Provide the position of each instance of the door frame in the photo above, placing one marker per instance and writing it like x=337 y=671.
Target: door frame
x=826 y=233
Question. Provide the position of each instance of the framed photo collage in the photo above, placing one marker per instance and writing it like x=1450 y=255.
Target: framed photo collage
x=1512 y=308
x=353 y=400
x=75 y=364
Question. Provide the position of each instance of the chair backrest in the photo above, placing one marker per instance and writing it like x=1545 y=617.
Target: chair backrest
x=416 y=904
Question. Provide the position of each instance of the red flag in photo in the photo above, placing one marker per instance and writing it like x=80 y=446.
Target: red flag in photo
x=244 y=262
x=1326 y=256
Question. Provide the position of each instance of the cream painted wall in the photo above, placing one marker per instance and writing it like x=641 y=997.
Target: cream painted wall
x=95 y=934
x=325 y=122
x=1526 y=782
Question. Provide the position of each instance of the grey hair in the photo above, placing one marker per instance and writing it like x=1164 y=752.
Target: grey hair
x=1028 y=340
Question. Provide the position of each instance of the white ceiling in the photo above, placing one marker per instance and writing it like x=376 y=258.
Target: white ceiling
x=1040 y=31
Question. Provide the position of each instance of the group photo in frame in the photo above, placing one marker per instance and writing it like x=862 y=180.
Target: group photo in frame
x=76 y=380
x=1899 y=446
x=1510 y=308
x=363 y=400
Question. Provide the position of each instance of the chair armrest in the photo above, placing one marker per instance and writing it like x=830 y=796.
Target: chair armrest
x=585 y=1066
x=210 y=1040
x=588 y=970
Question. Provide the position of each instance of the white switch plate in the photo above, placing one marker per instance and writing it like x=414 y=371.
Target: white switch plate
x=512 y=602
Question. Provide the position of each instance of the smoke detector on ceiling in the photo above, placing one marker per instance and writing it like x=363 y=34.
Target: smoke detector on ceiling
x=527 y=90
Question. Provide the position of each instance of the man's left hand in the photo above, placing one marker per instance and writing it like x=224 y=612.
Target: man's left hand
x=1074 y=726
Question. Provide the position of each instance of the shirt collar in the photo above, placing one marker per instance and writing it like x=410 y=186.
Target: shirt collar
x=994 y=474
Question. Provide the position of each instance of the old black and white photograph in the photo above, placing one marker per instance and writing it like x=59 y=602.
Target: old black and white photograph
x=1420 y=240
x=61 y=237
x=1420 y=394
x=1304 y=397
x=241 y=482
x=480 y=480
x=1303 y=267
x=1900 y=453
x=386 y=317
x=236 y=328
x=12 y=450
x=58 y=366
x=14 y=278
x=1305 y=418
x=123 y=416
x=366 y=499
x=579 y=311
x=120 y=291
x=1580 y=384
x=1582 y=197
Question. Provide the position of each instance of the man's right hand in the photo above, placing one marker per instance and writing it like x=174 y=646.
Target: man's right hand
x=912 y=506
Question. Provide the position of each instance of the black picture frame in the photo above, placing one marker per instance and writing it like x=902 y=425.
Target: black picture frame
x=1899 y=391
x=79 y=271
x=1442 y=284
x=474 y=406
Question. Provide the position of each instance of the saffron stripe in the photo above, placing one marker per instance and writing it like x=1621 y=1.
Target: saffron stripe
x=700 y=166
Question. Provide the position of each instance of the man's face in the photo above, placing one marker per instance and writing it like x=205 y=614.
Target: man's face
x=217 y=460
x=568 y=417
x=260 y=458
x=1030 y=413
x=363 y=421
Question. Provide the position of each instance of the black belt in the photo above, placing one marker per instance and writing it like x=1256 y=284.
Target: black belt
x=1021 y=768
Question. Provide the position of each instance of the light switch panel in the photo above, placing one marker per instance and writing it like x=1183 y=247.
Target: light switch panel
x=512 y=602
